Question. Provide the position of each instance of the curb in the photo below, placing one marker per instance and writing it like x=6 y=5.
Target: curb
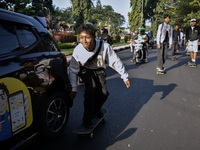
x=117 y=49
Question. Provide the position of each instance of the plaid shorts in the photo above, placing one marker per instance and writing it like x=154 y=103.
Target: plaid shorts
x=193 y=46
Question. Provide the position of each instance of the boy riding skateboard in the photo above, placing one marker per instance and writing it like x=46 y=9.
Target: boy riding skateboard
x=192 y=39
x=164 y=35
x=88 y=62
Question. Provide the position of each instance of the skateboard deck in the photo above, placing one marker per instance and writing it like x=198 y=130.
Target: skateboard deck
x=160 y=72
x=192 y=66
x=81 y=130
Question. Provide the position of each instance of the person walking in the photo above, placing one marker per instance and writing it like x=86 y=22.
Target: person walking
x=103 y=36
x=88 y=62
x=164 y=35
x=135 y=37
x=107 y=38
x=181 y=41
x=144 y=36
x=192 y=41
x=175 y=43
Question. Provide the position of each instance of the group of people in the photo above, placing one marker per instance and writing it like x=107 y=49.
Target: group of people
x=166 y=34
x=140 y=35
x=92 y=53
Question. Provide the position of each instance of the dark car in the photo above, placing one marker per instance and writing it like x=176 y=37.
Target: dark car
x=34 y=84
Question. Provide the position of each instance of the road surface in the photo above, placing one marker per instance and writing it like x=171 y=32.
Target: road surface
x=158 y=112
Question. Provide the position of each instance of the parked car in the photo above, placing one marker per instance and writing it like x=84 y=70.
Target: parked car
x=34 y=85
x=151 y=39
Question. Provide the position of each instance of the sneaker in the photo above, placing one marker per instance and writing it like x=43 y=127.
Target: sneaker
x=146 y=60
x=163 y=68
x=173 y=58
x=99 y=114
x=193 y=64
x=190 y=63
x=159 y=69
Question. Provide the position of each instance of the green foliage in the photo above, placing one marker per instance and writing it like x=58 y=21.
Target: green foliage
x=181 y=12
x=117 y=39
x=135 y=15
x=81 y=11
x=66 y=45
x=43 y=7
x=105 y=16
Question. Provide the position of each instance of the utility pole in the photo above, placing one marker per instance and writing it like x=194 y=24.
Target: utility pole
x=142 y=12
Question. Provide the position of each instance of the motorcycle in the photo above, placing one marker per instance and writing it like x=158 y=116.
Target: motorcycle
x=138 y=51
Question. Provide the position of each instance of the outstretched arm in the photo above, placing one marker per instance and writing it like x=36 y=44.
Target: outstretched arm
x=117 y=65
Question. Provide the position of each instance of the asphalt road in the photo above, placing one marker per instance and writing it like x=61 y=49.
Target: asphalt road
x=158 y=112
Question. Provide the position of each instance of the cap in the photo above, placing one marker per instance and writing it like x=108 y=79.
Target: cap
x=102 y=28
x=89 y=23
x=193 y=20
x=141 y=28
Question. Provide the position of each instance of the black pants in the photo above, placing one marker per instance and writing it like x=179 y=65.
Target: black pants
x=144 y=51
x=174 y=47
x=162 y=55
x=95 y=90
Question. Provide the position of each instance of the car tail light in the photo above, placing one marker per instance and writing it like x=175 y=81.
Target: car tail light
x=65 y=57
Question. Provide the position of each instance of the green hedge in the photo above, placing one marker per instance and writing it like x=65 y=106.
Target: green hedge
x=66 y=45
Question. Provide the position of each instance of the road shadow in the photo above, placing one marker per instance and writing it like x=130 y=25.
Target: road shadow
x=182 y=60
x=123 y=105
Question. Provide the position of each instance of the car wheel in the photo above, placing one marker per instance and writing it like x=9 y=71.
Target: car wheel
x=54 y=115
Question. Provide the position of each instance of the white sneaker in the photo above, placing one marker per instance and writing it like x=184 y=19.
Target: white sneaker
x=158 y=69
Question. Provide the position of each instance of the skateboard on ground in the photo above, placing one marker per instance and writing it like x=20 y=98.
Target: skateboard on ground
x=160 y=72
x=174 y=59
x=81 y=130
x=192 y=66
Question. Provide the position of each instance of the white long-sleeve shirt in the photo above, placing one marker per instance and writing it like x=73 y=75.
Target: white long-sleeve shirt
x=161 y=34
x=81 y=55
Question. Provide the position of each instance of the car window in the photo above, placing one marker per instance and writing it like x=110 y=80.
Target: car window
x=8 y=38
x=26 y=36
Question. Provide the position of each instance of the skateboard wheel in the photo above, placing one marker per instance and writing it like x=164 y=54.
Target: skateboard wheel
x=91 y=135
x=104 y=120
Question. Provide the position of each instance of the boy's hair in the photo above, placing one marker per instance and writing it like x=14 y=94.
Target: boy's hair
x=166 y=15
x=88 y=28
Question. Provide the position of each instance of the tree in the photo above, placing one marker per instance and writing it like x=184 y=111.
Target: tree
x=181 y=11
x=43 y=7
x=106 y=16
x=135 y=15
x=28 y=7
x=81 y=11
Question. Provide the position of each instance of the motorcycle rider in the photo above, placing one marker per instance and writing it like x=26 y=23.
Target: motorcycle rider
x=135 y=37
x=143 y=36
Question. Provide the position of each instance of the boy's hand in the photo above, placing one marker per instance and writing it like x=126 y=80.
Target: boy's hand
x=127 y=83
x=158 y=46
x=170 y=46
x=72 y=95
